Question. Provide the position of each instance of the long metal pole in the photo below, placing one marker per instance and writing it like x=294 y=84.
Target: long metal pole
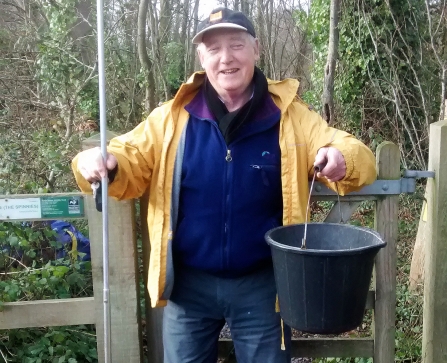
x=104 y=182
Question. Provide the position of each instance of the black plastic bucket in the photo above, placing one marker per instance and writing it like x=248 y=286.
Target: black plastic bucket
x=323 y=289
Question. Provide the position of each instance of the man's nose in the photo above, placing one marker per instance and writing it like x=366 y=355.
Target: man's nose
x=227 y=55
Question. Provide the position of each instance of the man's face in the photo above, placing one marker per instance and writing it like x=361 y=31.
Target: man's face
x=228 y=57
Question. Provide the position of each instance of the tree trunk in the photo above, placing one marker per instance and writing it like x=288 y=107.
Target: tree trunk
x=329 y=74
x=245 y=8
x=261 y=20
x=443 y=94
x=236 y=5
x=164 y=30
x=192 y=59
x=68 y=113
x=183 y=38
x=145 y=61
x=158 y=33
x=81 y=31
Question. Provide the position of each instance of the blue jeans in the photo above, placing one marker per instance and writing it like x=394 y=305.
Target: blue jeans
x=201 y=303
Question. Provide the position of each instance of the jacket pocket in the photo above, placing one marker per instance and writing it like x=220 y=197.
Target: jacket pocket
x=266 y=172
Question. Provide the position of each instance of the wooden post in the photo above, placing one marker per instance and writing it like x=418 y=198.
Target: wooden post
x=418 y=259
x=123 y=277
x=434 y=342
x=388 y=167
x=154 y=316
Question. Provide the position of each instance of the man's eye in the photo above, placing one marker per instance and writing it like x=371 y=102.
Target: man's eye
x=237 y=46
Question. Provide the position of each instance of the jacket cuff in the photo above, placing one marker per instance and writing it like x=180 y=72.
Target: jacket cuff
x=112 y=174
x=349 y=161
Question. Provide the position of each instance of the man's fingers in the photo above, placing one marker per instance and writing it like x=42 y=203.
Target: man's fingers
x=89 y=174
x=334 y=164
x=111 y=162
x=91 y=164
x=329 y=171
x=321 y=157
x=334 y=172
x=335 y=177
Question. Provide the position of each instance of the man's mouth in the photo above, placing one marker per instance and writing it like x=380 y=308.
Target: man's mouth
x=230 y=71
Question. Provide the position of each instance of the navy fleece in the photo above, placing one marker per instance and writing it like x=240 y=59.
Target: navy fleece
x=230 y=195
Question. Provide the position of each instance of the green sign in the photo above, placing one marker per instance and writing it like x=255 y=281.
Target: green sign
x=62 y=207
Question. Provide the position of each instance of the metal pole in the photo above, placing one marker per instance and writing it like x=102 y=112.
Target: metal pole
x=104 y=181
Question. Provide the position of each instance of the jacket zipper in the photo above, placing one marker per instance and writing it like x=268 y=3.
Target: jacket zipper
x=227 y=210
x=228 y=159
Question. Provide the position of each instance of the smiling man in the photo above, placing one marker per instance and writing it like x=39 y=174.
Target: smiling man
x=225 y=161
x=229 y=62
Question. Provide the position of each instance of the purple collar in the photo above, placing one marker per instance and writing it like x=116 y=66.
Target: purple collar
x=198 y=108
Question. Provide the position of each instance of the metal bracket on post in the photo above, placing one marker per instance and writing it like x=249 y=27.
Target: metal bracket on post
x=418 y=174
x=378 y=189
x=410 y=176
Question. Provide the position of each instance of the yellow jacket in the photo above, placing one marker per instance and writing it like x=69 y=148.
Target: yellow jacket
x=147 y=157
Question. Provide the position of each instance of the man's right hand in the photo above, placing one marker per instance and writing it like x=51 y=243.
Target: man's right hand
x=91 y=164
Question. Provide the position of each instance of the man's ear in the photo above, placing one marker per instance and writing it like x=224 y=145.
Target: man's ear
x=200 y=54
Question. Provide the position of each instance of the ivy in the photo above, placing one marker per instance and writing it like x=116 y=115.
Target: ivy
x=60 y=69
x=386 y=76
x=57 y=66
x=174 y=65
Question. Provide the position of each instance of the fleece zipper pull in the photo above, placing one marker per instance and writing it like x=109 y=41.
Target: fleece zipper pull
x=228 y=158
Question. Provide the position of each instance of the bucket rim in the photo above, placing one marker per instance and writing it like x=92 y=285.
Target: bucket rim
x=308 y=251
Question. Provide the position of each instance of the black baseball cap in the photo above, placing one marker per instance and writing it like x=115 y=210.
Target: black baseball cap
x=224 y=18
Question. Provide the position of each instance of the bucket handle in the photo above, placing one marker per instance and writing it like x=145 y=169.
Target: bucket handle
x=339 y=204
x=317 y=168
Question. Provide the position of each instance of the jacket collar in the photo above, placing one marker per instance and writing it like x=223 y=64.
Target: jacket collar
x=283 y=92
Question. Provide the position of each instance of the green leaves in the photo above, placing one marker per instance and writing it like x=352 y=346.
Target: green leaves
x=13 y=241
x=11 y=292
x=60 y=271
x=27 y=160
x=174 y=54
x=43 y=278
x=59 y=344
x=62 y=68
x=387 y=76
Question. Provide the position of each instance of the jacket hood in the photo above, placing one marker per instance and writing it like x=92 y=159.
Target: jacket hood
x=283 y=92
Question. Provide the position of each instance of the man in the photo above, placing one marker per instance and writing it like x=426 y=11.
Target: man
x=225 y=161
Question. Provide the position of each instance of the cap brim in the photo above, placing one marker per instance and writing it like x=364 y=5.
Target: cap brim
x=198 y=37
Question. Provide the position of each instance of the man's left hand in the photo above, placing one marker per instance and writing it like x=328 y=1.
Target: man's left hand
x=333 y=162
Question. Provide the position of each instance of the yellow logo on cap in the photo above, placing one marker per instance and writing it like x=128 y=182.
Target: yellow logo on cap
x=216 y=16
